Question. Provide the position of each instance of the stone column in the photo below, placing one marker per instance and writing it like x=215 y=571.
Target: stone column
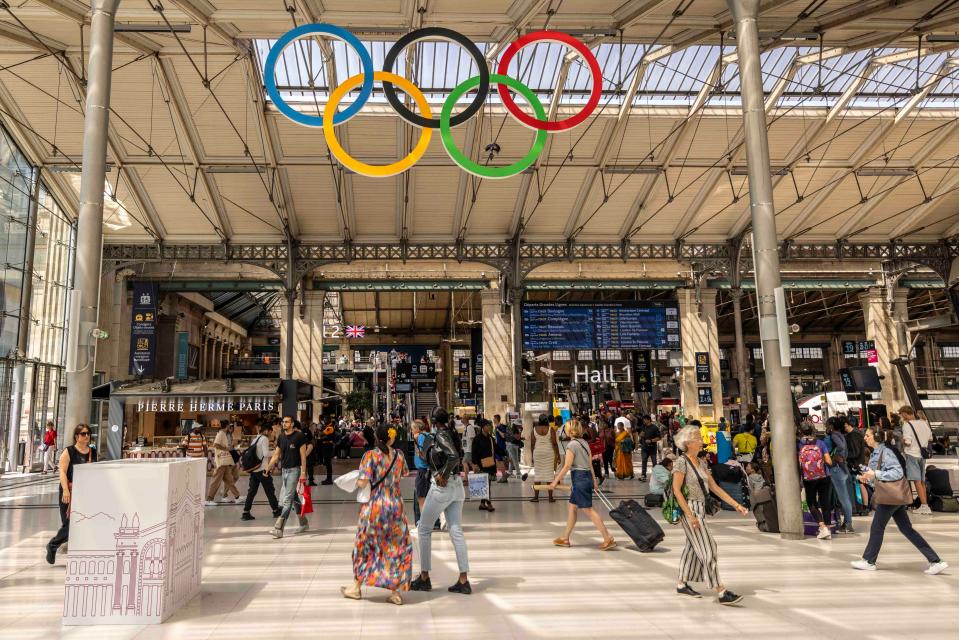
x=498 y=386
x=307 y=338
x=883 y=320
x=699 y=335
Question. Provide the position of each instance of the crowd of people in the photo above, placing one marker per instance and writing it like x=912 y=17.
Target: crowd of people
x=845 y=471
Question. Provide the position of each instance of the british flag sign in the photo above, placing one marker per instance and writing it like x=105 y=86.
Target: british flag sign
x=355 y=331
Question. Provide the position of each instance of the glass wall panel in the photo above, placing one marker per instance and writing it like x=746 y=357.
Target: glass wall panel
x=16 y=179
x=51 y=270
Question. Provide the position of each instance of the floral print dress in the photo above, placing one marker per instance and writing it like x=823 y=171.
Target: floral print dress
x=383 y=552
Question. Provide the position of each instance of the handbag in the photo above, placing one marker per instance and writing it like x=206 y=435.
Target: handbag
x=923 y=451
x=712 y=504
x=488 y=461
x=893 y=492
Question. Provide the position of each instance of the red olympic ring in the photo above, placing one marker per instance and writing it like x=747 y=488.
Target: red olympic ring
x=561 y=38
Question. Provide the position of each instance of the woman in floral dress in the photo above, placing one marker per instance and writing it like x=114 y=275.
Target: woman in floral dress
x=383 y=552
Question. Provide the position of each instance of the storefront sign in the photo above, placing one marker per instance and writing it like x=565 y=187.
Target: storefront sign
x=642 y=371
x=143 y=338
x=704 y=374
x=161 y=404
x=182 y=354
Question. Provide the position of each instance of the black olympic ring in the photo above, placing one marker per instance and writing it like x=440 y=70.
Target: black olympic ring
x=446 y=34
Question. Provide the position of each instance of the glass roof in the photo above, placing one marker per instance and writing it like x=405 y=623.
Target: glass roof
x=670 y=81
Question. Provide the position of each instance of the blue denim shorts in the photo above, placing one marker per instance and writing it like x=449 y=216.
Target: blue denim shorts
x=581 y=494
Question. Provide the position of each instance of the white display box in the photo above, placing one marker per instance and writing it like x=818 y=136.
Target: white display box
x=136 y=540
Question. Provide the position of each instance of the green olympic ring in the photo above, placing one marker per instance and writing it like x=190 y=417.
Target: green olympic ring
x=467 y=163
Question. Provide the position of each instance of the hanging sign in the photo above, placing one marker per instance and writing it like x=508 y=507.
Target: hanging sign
x=705 y=395
x=704 y=374
x=182 y=355
x=643 y=371
x=143 y=329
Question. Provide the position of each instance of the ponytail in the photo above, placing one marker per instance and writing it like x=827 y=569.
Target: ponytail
x=383 y=438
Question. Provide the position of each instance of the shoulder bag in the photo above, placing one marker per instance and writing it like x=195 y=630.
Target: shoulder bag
x=923 y=451
x=893 y=492
x=364 y=496
x=712 y=504
x=489 y=461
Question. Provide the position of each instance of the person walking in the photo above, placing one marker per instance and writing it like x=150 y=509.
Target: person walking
x=501 y=435
x=839 y=473
x=692 y=484
x=259 y=476
x=311 y=451
x=814 y=458
x=886 y=466
x=382 y=552
x=48 y=448
x=545 y=451
x=916 y=435
x=608 y=435
x=326 y=444
x=290 y=453
x=583 y=482
x=484 y=449
x=80 y=452
x=446 y=496
x=624 y=449
x=421 y=485
x=223 y=466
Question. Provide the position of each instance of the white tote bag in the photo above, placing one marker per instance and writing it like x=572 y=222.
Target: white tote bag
x=347 y=482
x=478 y=486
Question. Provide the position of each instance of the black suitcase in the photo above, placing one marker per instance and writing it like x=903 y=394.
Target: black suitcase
x=735 y=491
x=653 y=500
x=637 y=524
x=767 y=516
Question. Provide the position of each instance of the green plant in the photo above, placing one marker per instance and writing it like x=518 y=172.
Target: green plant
x=359 y=401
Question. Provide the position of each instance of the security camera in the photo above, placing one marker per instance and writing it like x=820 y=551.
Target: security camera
x=543 y=357
x=794 y=328
x=549 y=372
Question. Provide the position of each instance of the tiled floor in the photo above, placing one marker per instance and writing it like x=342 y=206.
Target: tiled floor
x=254 y=586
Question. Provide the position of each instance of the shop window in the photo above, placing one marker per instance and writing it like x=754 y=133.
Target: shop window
x=561 y=355
x=950 y=351
x=806 y=353
x=757 y=353
x=584 y=355
x=610 y=354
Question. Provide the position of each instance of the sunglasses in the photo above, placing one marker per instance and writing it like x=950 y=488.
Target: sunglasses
x=84 y=433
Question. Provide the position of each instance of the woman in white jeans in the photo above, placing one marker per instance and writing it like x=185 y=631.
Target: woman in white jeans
x=698 y=562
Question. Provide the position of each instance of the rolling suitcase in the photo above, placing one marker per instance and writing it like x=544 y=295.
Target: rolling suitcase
x=735 y=491
x=946 y=504
x=653 y=500
x=764 y=509
x=637 y=524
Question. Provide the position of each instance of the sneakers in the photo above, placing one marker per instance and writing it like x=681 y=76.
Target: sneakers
x=923 y=510
x=728 y=597
x=278 y=527
x=247 y=516
x=863 y=565
x=824 y=533
x=847 y=528
x=419 y=584
x=326 y=482
x=209 y=503
x=304 y=525
x=936 y=568
x=461 y=587
x=277 y=512
x=686 y=590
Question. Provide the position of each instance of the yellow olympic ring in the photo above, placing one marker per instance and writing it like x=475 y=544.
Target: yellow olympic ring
x=348 y=161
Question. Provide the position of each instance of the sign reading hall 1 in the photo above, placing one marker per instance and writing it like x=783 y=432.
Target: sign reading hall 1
x=200 y=404
x=606 y=373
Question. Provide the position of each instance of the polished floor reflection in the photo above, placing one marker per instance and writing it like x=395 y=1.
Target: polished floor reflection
x=254 y=586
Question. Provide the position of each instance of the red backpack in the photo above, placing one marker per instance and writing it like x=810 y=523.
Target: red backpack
x=811 y=462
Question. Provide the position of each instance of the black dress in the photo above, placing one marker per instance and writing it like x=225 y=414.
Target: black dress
x=75 y=458
x=484 y=447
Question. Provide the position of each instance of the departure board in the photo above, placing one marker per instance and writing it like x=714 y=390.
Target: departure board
x=601 y=325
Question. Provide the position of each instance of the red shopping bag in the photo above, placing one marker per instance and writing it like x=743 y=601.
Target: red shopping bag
x=306 y=497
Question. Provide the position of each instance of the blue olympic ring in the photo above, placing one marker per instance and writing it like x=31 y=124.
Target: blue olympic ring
x=269 y=73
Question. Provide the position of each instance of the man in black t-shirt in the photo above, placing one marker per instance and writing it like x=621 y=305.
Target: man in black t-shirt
x=291 y=451
x=650 y=437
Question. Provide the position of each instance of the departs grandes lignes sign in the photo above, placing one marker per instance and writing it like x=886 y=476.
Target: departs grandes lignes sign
x=424 y=120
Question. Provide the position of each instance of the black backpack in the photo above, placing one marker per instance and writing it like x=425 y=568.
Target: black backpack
x=854 y=446
x=250 y=460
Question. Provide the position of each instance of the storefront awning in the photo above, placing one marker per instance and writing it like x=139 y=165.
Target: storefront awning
x=239 y=387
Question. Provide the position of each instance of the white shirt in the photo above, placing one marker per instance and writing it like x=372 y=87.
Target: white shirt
x=469 y=434
x=912 y=441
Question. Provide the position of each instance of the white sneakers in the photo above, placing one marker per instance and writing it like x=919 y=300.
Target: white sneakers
x=923 y=510
x=209 y=503
x=934 y=569
x=824 y=533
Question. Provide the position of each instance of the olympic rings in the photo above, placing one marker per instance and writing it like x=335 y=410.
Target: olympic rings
x=331 y=117
x=463 y=160
x=542 y=123
x=446 y=34
x=348 y=161
x=269 y=73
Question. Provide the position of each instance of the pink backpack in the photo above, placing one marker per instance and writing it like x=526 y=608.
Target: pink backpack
x=811 y=462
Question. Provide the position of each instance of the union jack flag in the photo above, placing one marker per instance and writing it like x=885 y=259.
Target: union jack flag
x=355 y=331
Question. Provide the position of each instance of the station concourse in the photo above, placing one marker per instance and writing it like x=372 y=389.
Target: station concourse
x=237 y=230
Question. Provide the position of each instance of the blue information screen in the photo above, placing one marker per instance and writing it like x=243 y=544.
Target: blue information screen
x=600 y=325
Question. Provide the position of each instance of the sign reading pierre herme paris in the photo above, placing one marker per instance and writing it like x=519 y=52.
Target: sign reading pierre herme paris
x=162 y=404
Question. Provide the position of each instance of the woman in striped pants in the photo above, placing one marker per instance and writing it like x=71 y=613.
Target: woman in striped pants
x=691 y=481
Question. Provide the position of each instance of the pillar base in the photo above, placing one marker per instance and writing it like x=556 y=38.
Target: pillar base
x=792 y=536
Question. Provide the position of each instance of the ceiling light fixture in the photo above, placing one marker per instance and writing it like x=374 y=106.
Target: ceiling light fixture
x=643 y=169
x=233 y=169
x=942 y=38
x=66 y=168
x=883 y=171
x=152 y=28
x=744 y=171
